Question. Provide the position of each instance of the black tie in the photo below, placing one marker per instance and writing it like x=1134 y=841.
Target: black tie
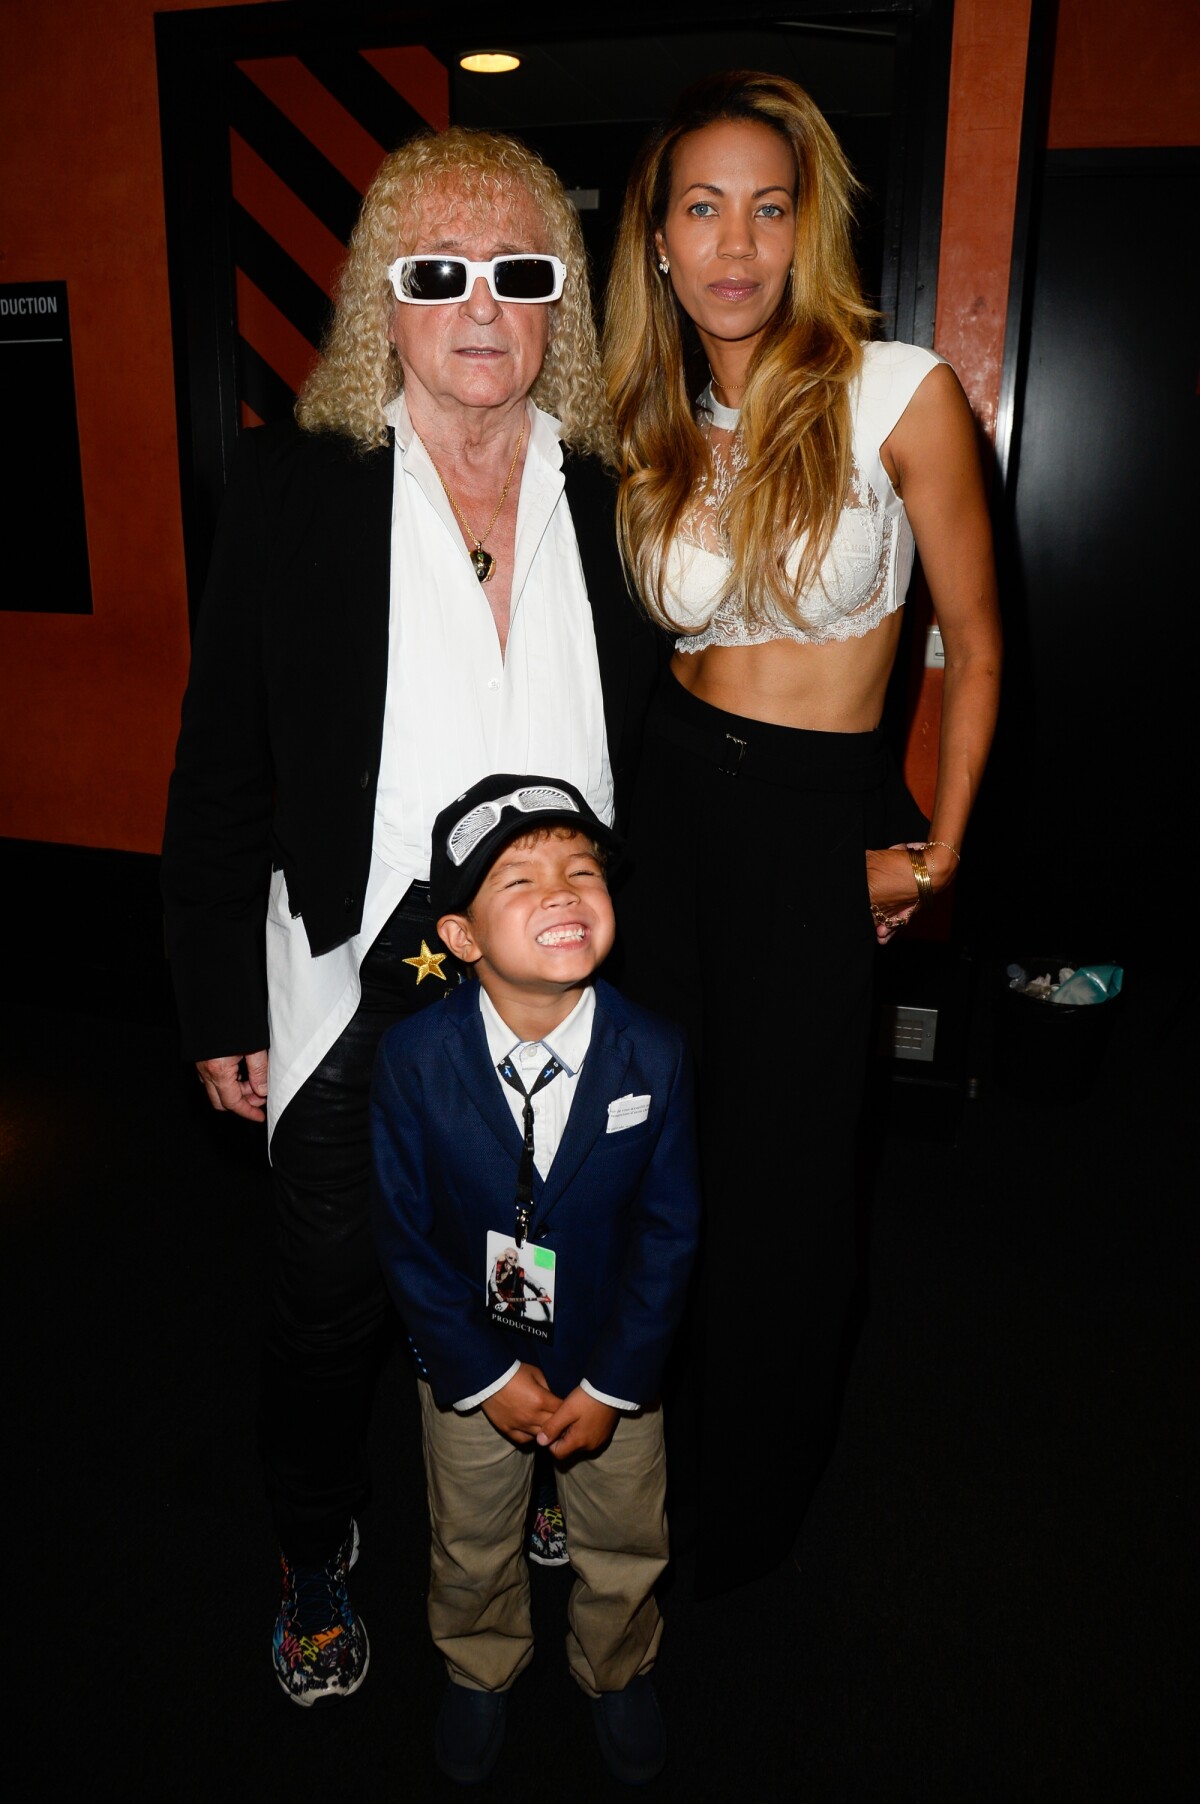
x=547 y=1074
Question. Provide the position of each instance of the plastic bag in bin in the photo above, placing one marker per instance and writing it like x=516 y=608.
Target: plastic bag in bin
x=1074 y=985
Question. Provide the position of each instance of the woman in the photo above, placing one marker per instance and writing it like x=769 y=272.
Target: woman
x=414 y=583
x=769 y=527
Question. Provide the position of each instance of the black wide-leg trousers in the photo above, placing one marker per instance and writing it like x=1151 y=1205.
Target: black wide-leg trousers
x=329 y=1316
x=745 y=916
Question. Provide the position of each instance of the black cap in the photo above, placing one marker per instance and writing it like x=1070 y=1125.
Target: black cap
x=464 y=849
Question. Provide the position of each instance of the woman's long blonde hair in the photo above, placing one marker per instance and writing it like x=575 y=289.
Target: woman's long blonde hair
x=795 y=416
x=358 y=372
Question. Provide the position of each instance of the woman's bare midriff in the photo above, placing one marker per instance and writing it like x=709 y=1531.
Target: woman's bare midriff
x=838 y=688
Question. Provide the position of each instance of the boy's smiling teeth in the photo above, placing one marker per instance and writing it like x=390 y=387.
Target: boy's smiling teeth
x=568 y=934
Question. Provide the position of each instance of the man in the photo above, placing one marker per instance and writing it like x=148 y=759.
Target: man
x=363 y=654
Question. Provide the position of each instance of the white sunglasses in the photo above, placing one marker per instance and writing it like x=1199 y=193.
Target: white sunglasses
x=431 y=281
x=466 y=833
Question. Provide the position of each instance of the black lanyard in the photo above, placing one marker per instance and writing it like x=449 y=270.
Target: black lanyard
x=508 y=1072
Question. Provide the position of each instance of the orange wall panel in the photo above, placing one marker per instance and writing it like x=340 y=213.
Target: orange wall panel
x=1124 y=76
x=89 y=704
x=983 y=139
x=987 y=81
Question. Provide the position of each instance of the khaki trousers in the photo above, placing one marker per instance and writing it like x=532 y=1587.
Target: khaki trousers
x=614 y=1505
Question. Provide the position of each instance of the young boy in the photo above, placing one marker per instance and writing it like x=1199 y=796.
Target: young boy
x=537 y=1113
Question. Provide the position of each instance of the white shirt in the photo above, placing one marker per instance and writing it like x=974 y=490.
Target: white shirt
x=455 y=711
x=551 y=1107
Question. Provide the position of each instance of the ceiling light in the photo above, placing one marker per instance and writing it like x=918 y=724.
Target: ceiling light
x=489 y=62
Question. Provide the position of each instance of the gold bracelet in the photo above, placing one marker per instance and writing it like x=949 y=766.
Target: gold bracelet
x=946 y=844
x=916 y=857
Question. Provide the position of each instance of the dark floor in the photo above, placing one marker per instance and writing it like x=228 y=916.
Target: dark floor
x=995 y=1592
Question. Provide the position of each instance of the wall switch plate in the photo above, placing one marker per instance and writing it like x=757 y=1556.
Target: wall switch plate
x=935 y=651
x=908 y=1033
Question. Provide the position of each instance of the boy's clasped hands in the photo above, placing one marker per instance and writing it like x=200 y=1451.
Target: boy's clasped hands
x=526 y=1409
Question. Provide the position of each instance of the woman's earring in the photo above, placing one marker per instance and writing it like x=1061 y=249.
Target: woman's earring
x=663 y=266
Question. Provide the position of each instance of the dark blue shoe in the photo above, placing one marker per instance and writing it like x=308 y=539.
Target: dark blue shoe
x=470 y=1733
x=630 y=1731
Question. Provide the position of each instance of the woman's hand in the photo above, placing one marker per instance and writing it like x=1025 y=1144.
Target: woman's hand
x=892 y=884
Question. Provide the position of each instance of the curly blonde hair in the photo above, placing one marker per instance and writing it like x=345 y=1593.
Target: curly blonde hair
x=359 y=373
x=795 y=416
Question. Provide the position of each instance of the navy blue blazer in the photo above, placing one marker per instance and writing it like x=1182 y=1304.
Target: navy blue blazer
x=621 y=1210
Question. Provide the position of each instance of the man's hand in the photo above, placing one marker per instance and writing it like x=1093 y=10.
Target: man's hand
x=231 y=1093
x=520 y=1407
x=581 y=1425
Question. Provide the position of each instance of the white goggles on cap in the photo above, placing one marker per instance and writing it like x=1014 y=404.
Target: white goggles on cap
x=466 y=833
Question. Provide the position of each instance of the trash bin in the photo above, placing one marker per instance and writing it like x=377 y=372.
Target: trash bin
x=1046 y=1051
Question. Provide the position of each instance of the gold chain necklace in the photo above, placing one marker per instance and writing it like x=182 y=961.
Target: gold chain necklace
x=483 y=561
x=738 y=386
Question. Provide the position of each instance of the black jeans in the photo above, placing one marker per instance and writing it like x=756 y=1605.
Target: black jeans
x=330 y=1315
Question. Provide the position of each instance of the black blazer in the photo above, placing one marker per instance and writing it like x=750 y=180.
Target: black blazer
x=282 y=722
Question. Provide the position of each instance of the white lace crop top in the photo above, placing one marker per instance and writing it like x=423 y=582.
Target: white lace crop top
x=866 y=573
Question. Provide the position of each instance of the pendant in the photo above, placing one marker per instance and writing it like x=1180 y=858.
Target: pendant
x=484 y=563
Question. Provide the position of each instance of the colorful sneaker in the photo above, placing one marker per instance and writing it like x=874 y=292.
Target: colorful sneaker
x=547 y=1544
x=320 y=1646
